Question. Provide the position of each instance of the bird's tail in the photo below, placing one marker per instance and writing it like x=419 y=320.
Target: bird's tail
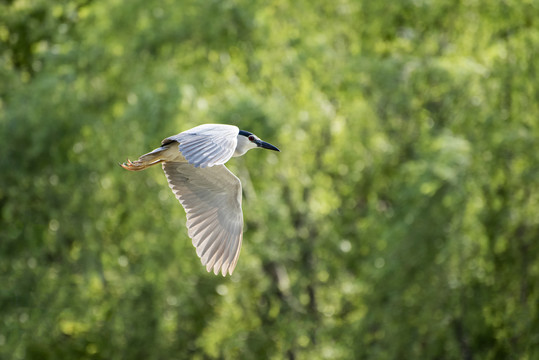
x=146 y=160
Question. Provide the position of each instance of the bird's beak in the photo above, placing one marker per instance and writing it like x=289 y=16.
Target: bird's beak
x=266 y=145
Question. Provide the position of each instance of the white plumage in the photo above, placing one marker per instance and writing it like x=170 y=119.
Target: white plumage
x=210 y=194
x=207 y=145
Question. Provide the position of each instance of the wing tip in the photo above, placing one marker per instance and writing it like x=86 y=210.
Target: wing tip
x=225 y=269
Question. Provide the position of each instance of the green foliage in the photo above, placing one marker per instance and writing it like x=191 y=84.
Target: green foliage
x=400 y=220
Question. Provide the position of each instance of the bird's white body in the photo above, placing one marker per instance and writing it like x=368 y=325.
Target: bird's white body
x=193 y=162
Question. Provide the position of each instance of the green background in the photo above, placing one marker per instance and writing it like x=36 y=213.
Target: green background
x=399 y=221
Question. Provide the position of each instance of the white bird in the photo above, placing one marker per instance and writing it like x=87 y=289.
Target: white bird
x=193 y=162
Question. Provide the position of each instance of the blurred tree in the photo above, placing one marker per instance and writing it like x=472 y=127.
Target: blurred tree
x=399 y=221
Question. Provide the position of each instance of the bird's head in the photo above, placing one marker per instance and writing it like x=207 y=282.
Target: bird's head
x=248 y=141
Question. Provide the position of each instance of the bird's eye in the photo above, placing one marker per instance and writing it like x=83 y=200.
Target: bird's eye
x=251 y=138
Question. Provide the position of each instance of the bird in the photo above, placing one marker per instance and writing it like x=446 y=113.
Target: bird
x=193 y=162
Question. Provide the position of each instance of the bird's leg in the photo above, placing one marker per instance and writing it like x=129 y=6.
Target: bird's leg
x=153 y=157
x=138 y=165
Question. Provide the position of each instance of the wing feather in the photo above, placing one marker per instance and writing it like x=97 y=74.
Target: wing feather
x=227 y=252
x=209 y=247
x=207 y=145
x=211 y=198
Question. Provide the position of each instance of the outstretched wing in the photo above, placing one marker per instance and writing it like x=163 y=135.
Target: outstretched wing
x=207 y=145
x=211 y=198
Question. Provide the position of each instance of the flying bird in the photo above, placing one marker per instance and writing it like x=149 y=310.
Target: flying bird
x=193 y=162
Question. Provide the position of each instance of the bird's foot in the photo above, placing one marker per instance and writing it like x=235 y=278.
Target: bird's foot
x=134 y=166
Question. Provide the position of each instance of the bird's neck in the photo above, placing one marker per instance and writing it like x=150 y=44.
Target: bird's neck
x=242 y=146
